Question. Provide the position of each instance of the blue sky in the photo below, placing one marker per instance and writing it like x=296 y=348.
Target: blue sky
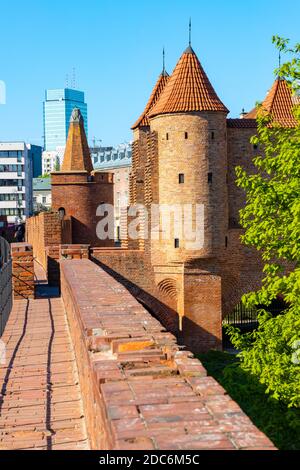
x=116 y=49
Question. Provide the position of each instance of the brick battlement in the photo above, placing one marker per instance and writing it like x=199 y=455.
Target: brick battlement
x=140 y=389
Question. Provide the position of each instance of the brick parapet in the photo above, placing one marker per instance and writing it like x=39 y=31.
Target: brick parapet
x=55 y=253
x=140 y=389
x=74 y=251
x=22 y=271
x=45 y=230
x=53 y=270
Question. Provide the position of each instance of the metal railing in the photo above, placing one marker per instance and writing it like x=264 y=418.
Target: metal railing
x=6 y=298
x=241 y=315
x=246 y=319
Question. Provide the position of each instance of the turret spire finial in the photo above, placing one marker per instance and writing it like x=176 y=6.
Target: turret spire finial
x=76 y=115
x=190 y=32
x=164 y=65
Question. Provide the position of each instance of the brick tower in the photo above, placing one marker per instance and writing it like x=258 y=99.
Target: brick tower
x=185 y=152
x=140 y=175
x=179 y=159
x=190 y=124
x=141 y=130
x=77 y=190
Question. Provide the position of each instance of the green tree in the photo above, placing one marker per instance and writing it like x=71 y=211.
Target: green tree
x=57 y=165
x=45 y=175
x=271 y=219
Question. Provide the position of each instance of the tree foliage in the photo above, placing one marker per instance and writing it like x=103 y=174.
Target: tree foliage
x=271 y=219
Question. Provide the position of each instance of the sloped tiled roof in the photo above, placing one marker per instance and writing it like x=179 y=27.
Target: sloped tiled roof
x=279 y=103
x=188 y=89
x=41 y=184
x=242 y=123
x=160 y=85
x=77 y=154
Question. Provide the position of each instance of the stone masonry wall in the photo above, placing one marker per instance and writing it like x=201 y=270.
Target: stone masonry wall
x=140 y=390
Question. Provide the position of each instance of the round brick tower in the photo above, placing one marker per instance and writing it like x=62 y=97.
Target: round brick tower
x=77 y=190
x=190 y=122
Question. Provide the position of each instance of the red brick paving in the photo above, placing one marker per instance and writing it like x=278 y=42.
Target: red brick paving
x=40 y=400
x=139 y=390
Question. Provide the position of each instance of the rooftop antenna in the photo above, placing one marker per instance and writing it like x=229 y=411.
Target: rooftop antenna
x=73 y=78
x=190 y=32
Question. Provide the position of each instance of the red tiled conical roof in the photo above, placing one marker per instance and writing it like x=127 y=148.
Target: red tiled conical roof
x=77 y=154
x=279 y=104
x=160 y=85
x=188 y=89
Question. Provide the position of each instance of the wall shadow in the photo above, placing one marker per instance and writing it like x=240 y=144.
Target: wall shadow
x=192 y=336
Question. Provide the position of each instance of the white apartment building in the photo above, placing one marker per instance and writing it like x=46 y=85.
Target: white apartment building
x=52 y=160
x=16 y=172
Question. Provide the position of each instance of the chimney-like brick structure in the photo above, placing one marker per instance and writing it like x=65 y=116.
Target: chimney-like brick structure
x=77 y=190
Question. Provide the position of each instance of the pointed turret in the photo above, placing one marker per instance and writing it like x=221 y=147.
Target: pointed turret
x=188 y=89
x=77 y=191
x=77 y=155
x=143 y=120
x=279 y=103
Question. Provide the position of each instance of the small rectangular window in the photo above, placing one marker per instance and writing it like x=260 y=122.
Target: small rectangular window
x=176 y=243
x=181 y=178
x=226 y=242
x=209 y=177
x=186 y=136
x=167 y=136
x=212 y=135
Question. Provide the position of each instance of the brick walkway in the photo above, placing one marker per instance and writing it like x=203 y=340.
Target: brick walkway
x=40 y=401
x=142 y=391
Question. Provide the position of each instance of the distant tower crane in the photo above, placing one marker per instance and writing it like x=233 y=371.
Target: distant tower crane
x=95 y=142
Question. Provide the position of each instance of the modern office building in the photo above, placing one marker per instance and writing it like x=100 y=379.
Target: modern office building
x=116 y=160
x=36 y=155
x=58 y=107
x=16 y=172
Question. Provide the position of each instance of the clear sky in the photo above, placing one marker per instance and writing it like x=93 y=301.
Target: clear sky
x=116 y=49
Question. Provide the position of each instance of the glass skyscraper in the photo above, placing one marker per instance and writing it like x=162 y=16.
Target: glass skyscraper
x=58 y=108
